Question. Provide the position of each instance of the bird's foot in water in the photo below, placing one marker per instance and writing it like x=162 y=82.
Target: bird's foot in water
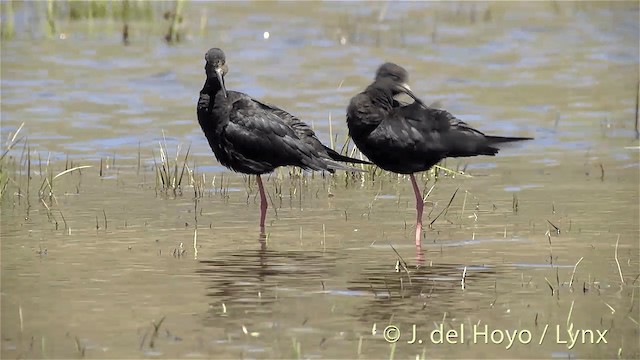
x=262 y=239
x=420 y=259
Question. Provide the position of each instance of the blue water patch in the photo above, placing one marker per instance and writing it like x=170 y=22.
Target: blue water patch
x=48 y=111
x=477 y=241
x=153 y=353
x=621 y=156
x=475 y=268
x=621 y=133
x=520 y=188
x=48 y=137
x=349 y=293
x=95 y=97
x=437 y=278
x=86 y=120
x=43 y=82
x=563 y=355
x=210 y=169
x=387 y=196
x=139 y=121
x=525 y=265
x=108 y=143
x=195 y=355
x=481 y=166
x=556 y=139
x=546 y=161
x=521 y=35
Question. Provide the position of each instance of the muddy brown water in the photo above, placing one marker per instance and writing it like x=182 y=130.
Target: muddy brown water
x=89 y=272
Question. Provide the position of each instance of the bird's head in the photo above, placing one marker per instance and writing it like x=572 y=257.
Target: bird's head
x=392 y=79
x=394 y=74
x=216 y=67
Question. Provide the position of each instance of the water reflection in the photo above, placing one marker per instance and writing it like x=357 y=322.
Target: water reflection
x=248 y=279
x=402 y=293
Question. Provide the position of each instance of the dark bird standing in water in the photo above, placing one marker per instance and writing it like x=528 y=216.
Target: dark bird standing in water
x=253 y=137
x=408 y=138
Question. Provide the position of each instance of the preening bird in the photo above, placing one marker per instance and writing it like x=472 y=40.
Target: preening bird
x=409 y=138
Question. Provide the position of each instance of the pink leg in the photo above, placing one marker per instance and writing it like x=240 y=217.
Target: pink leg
x=263 y=204
x=419 y=207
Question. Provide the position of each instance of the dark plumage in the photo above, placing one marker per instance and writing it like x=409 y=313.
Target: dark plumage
x=408 y=138
x=253 y=137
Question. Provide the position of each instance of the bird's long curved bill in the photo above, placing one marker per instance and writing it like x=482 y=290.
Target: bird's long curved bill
x=407 y=90
x=221 y=80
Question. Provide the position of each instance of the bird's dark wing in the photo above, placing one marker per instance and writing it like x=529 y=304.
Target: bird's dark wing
x=300 y=127
x=451 y=123
x=437 y=131
x=432 y=119
x=306 y=134
x=262 y=135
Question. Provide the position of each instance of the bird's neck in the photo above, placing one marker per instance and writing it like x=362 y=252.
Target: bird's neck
x=211 y=87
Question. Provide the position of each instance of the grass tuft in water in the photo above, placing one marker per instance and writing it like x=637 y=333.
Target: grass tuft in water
x=170 y=172
x=8 y=166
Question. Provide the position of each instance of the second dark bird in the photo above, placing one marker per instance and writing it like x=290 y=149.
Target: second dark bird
x=253 y=137
x=409 y=138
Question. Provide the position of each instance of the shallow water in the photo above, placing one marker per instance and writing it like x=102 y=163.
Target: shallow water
x=87 y=272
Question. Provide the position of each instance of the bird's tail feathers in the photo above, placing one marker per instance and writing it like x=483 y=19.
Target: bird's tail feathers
x=335 y=165
x=505 y=139
x=503 y=142
x=338 y=157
